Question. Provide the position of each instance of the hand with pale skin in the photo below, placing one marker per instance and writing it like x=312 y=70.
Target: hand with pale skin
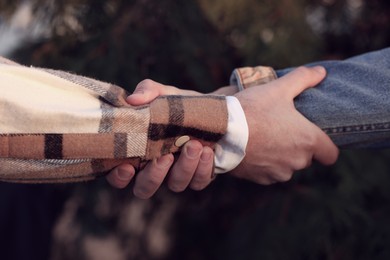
x=192 y=169
x=281 y=140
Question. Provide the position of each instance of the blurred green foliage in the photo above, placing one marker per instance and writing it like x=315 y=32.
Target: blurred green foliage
x=338 y=212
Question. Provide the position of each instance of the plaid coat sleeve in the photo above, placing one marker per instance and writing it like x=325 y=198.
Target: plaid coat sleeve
x=60 y=127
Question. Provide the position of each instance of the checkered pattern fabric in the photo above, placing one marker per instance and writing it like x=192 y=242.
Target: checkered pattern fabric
x=246 y=77
x=60 y=127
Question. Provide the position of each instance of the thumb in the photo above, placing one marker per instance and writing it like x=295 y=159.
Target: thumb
x=300 y=79
x=148 y=90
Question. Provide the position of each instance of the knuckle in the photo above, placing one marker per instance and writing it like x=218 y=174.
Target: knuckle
x=176 y=187
x=177 y=184
x=266 y=178
x=203 y=175
x=142 y=194
x=197 y=185
x=154 y=180
x=144 y=188
x=186 y=167
x=266 y=181
x=144 y=84
x=184 y=170
x=301 y=163
x=200 y=181
x=142 y=191
x=119 y=183
x=150 y=180
x=311 y=140
x=285 y=176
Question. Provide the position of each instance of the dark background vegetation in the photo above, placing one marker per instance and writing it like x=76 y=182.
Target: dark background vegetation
x=338 y=212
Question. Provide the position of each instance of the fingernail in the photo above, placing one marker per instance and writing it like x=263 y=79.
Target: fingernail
x=164 y=161
x=319 y=69
x=124 y=175
x=192 y=152
x=206 y=156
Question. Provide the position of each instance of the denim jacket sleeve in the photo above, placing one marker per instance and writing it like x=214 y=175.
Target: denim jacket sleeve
x=351 y=104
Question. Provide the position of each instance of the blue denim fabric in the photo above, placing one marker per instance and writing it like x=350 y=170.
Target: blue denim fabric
x=352 y=105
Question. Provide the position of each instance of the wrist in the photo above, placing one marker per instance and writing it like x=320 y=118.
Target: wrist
x=230 y=150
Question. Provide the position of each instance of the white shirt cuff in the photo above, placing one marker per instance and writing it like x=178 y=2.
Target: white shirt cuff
x=230 y=150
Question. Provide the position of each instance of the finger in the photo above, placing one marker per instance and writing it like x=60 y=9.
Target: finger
x=184 y=169
x=301 y=79
x=151 y=177
x=203 y=174
x=147 y=90
x=326 y=152
x=121 y=176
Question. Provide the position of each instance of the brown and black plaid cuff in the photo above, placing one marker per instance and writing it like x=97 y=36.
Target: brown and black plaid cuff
x=252 y=76
x=171 y=117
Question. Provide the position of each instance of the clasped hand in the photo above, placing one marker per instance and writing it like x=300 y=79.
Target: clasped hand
x=281 y=140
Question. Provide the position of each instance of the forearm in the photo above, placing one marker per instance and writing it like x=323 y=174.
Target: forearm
x=56 y=126
x=351 y=104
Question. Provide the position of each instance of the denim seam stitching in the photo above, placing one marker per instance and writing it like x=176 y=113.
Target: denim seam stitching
x=368 y=128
